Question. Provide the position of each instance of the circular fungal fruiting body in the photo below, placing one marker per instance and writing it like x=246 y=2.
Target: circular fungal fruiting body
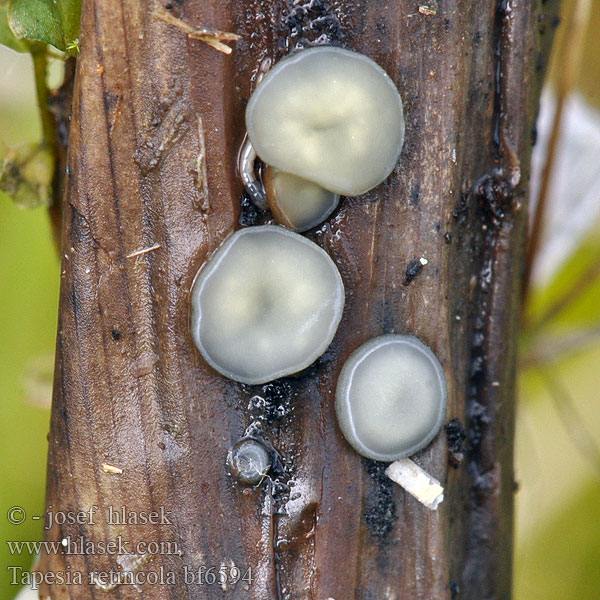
x=391 y=397
x=267 y=304
x=249 y=462
x=328 y=115
x=297 y=203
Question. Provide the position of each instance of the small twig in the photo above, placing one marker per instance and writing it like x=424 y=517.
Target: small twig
x=143 y=251
x=417 y=482
x=111 y=469
x=430 y=9
x=212 y=37
x=568 y=68
x=573 y=422
x=555 y=348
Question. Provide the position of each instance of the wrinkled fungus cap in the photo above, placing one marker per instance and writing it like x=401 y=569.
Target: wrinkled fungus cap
x=328 y=115
x=297 y=203
x=391 y=397
x=267 y=304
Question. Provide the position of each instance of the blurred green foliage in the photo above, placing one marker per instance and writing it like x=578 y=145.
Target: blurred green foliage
x=557 y=545
x=561 y=559
x=29 y=278
x=584 y=310
x=7 y=37
x=557 y=555
x=558 y=504
x=54 y=22
x=26 y=174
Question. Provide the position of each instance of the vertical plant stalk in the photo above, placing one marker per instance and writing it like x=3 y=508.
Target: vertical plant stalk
x=569 y=63
x=54 y=109
x=39 y=56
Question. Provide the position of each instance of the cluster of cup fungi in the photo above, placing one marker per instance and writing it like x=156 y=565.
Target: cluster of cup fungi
x=326 y=122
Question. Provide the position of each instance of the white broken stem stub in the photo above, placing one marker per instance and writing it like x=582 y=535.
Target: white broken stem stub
x=417 y=482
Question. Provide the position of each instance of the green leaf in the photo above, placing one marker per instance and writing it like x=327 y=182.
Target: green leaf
x=7 y=37
x=571 y=275
x=26 y=175
x=542 y=567
x=55 y=22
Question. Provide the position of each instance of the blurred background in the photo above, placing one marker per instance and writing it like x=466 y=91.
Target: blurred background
x=557 y=553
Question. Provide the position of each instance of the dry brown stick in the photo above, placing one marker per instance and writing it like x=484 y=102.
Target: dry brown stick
x=568 y=68
x=131 y=390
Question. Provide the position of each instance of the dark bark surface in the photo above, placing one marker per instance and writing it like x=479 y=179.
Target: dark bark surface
x=156 y=125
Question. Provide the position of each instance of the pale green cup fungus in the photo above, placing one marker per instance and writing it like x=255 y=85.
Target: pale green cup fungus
x=391 y=397
x=249 y=461
x=327 y=115
x=267 y=304
x=297 y=203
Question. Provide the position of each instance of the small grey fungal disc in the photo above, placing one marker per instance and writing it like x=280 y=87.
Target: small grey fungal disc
x=267 y=304
x=328 y=115
x=249 y=461
x=297 y=203
x=391 y=397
